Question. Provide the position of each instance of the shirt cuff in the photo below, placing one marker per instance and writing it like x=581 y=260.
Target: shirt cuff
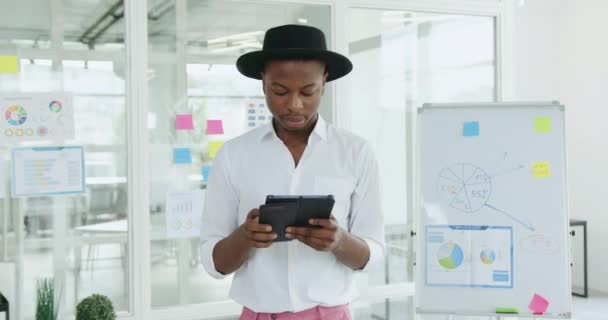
x=207 y=258
x=376 y=254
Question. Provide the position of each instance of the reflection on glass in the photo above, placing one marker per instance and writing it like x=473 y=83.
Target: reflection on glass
x=403 y=59
x=193 y=49
x=80 y=240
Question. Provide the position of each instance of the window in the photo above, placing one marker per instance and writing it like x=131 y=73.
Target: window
x=193 y=47
x=81 y=239
x=403 y=59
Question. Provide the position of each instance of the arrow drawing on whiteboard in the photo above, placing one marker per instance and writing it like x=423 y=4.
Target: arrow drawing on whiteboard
x=518 y=167
x=526 y=225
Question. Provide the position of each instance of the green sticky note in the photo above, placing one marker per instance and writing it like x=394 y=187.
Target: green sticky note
x=9 y=64
x=507 y=310
x=542 y=124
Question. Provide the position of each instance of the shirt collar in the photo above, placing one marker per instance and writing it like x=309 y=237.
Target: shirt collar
x=320 y=130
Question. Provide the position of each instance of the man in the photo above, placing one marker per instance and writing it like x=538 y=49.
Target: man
x=298 y=153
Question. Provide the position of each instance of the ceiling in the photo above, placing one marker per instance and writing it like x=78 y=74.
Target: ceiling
x=94 y=23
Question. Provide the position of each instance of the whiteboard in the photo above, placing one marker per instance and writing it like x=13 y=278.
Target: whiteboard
x=493 y=218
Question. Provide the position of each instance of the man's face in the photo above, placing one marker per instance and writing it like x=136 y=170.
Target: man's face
x=293 y=90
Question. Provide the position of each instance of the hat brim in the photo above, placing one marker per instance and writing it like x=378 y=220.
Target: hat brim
x=252 y=64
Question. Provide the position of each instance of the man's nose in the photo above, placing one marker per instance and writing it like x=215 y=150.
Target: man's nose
x=295 y=103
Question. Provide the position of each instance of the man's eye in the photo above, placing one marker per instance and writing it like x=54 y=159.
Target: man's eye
x=280 y=93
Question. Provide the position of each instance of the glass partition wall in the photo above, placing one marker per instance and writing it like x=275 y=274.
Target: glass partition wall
x=67 y=89
x=196 y=100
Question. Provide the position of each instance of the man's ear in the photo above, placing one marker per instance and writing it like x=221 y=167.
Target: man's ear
x=324 y=83
x=263 y=82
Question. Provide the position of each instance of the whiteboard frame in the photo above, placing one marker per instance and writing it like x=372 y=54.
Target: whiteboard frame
x=418 y=213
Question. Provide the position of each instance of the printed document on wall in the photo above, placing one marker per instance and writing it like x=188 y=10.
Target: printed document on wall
x=48 y=171
x=36 y=116
x=184 y=213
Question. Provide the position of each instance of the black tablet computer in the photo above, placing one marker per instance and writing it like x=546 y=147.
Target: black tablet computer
x=279 y=216
x=309 y=207
x=284 y=211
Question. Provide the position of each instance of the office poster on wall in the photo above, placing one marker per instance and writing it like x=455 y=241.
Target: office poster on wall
x=36 y=116
x=48 y=171
x=183 y=214
x=257 y=113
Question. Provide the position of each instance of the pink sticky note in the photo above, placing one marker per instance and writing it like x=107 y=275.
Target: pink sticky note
x=215 y=127
x=184 y=122
x=538 y=305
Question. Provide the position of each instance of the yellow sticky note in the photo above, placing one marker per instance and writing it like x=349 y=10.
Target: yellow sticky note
x=9 y=64
x=542 y=124
x=214 y=147
x=541 y=169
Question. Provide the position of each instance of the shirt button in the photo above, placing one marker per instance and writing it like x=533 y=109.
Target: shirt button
x=273 y=316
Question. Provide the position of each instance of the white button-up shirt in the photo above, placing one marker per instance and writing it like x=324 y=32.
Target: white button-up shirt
x=290 y=276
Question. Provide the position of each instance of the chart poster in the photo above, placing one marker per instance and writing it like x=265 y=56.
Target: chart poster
x=36 y=116
x=257 y=113
x=469 y=256
x=183 y=213
x=48 y=171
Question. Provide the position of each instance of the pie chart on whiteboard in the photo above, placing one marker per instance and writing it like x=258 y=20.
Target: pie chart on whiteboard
x=450 y=256
x=465 y=187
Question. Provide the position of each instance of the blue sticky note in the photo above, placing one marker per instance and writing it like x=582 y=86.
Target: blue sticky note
x=206 y=170
x=470 y=129
x=182 y=155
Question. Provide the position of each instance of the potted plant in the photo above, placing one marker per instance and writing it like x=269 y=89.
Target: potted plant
x=46 y=309
x=95 y=307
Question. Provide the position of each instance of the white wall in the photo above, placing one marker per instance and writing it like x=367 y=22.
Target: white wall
x=560 y=53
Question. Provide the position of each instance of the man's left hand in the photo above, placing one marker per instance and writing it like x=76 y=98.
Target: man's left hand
x=326 y=238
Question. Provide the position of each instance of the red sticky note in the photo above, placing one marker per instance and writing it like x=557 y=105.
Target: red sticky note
x=215 y=127
x=184 y=122
x=538 y=305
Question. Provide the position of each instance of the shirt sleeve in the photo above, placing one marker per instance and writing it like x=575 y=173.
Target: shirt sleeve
x=367 y=218
x=220 y=214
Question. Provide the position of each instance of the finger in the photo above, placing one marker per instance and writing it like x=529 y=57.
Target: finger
x=325 y=234
x=317 y=244
x=300 y=230
x=253 y=226
x=325 y=223
x=262 y=236
x=320 y=234
x=254 y=213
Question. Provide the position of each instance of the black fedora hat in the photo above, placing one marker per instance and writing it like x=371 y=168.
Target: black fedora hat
x=297 y=42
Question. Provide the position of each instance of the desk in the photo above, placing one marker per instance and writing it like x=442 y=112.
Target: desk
x=112 y=227
x=105 y=180
x=117 y=232
x=100 y=233
x=582 y=223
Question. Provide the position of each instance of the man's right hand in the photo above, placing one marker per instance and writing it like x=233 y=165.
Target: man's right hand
x=257 y=235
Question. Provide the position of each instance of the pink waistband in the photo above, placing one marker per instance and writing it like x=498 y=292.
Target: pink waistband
x=316 y=313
